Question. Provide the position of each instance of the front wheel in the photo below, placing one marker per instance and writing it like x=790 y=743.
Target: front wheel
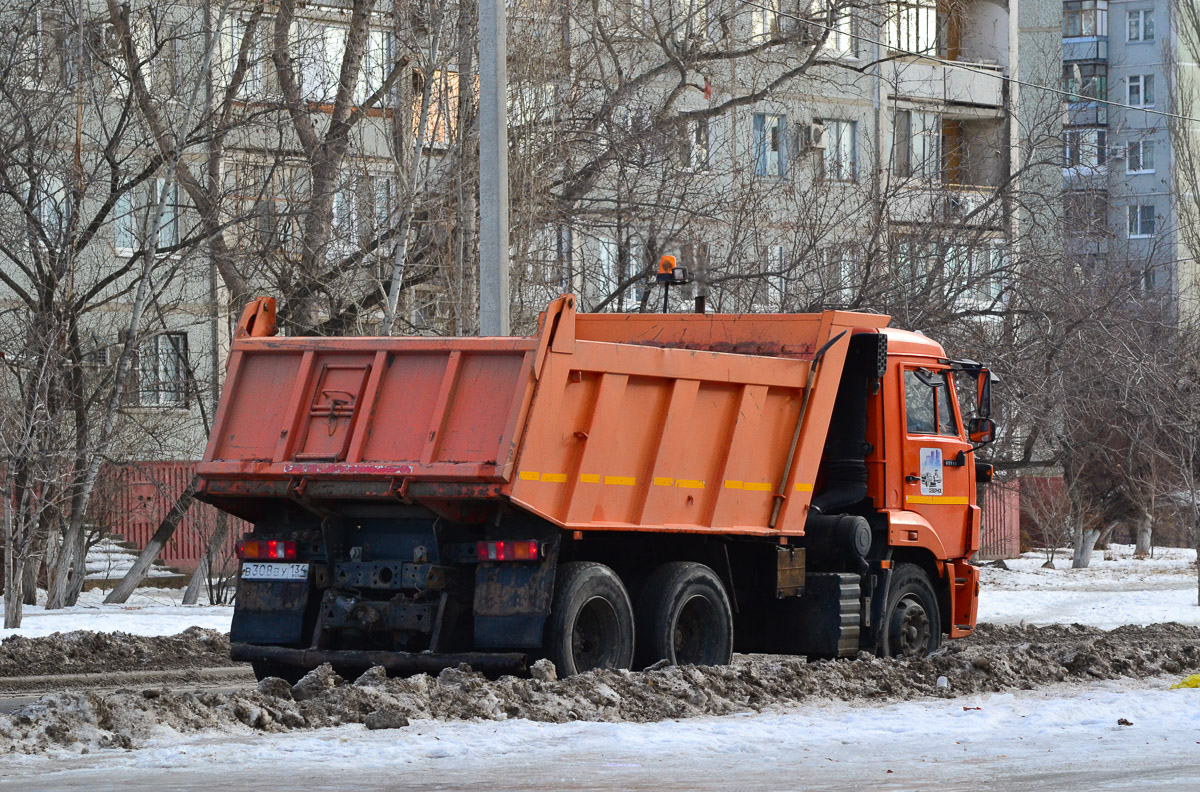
x=912 y=625
x=591 y=620
x=684 y=617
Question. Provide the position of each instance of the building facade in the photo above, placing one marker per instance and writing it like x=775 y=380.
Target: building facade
x=1121 y=61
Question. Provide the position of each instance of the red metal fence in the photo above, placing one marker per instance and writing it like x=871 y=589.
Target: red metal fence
x=131 y=500
x=1000 y=532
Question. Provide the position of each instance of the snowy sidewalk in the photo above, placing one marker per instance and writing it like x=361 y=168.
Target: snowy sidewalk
x=149 y=611
x=1059 y=738
x=1116 y=589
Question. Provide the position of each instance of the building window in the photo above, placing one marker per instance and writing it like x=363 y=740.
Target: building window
x=607 y=255
x=1139 y=157
x=131 y=219
x=1087 y=147
x=689 y=19
x=52 y=207
x=31 y=56
x=1084 y=82
x=693 y=149
x=527 y=104
x=1084 y=212
x=841 y=154
x=764 y=21
x=1141 y=221
x=1085 y=18
x=168 y=229
x=163 y=371
x=770 y=145
x=776 y=271
x=834 y=24
x=1141 y=25
x=916 y=144
x=1141 y=90
x=912 y=26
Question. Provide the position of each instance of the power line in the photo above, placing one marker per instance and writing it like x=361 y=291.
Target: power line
x=966 y=66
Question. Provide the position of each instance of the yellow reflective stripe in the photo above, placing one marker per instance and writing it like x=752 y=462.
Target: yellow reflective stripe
x=625 y=481
x=940 y=500
x=529 y=475
x=689 y=484
x=804 y=487
x=663 y=481
x=757 y=486
x=556 y=478
x=733 y=484
x=589 y=478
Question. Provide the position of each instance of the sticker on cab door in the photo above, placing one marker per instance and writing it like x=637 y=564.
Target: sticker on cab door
x=931 y=471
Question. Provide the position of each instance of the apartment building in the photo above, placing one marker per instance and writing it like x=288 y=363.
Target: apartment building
x=817 y=155
x=888 y=175
x=1119 y=69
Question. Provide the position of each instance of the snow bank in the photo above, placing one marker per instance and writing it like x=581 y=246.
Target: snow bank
x=149 y=611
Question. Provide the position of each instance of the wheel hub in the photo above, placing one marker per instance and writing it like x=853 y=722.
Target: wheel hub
x=909 y=629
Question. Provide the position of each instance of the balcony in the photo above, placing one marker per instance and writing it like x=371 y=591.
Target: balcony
x=976 y=84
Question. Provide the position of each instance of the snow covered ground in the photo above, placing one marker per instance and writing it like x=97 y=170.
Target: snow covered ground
x=1115 y=589
x=149 y=611
x=1059 y=738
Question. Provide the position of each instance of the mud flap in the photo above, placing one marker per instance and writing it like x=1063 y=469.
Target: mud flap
x=512 y=601
x=270 y=612
x=964 y=597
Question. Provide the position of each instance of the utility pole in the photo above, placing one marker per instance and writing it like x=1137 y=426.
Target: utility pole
x=493 y=168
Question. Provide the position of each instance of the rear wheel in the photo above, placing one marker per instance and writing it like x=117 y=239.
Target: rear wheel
x=912 y=625
x=266 y=668
x=684 y=617
x=591 y=620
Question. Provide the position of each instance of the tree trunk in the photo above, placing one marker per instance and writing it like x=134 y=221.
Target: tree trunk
x=14 y=575
x=1145 y=532
x=166 y=530
x=192 y=594
x=33 y=565
x=1085 y=543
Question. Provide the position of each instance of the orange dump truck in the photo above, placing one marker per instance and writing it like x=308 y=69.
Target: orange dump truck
x=615 y=490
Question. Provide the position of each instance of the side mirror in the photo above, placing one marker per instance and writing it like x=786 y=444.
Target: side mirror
x=984 y=408
x=981 y=430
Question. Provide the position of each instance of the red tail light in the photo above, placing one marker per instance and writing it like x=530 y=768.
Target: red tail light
x=266 y=550
x=507 y=551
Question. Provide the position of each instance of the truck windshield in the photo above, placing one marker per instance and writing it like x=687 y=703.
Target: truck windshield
x=927 y=403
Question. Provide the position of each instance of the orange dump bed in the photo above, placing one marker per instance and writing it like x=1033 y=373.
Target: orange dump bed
x=606 y=421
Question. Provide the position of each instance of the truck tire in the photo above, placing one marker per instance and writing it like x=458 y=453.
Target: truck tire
x=684 y=617
x=912 y=624
x=266 y=668
x=591 y=620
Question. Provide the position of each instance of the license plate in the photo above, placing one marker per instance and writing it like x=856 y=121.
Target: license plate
x=258 y=570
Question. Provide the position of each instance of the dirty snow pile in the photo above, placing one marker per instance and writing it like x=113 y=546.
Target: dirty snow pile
x=86 y=652
x=995 y=659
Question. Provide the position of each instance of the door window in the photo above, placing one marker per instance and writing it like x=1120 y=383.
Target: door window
x=927 y=403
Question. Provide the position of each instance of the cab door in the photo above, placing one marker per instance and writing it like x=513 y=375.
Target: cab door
x=937 y=476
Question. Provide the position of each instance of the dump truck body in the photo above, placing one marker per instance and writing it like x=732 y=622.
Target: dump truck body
x=441 y=499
